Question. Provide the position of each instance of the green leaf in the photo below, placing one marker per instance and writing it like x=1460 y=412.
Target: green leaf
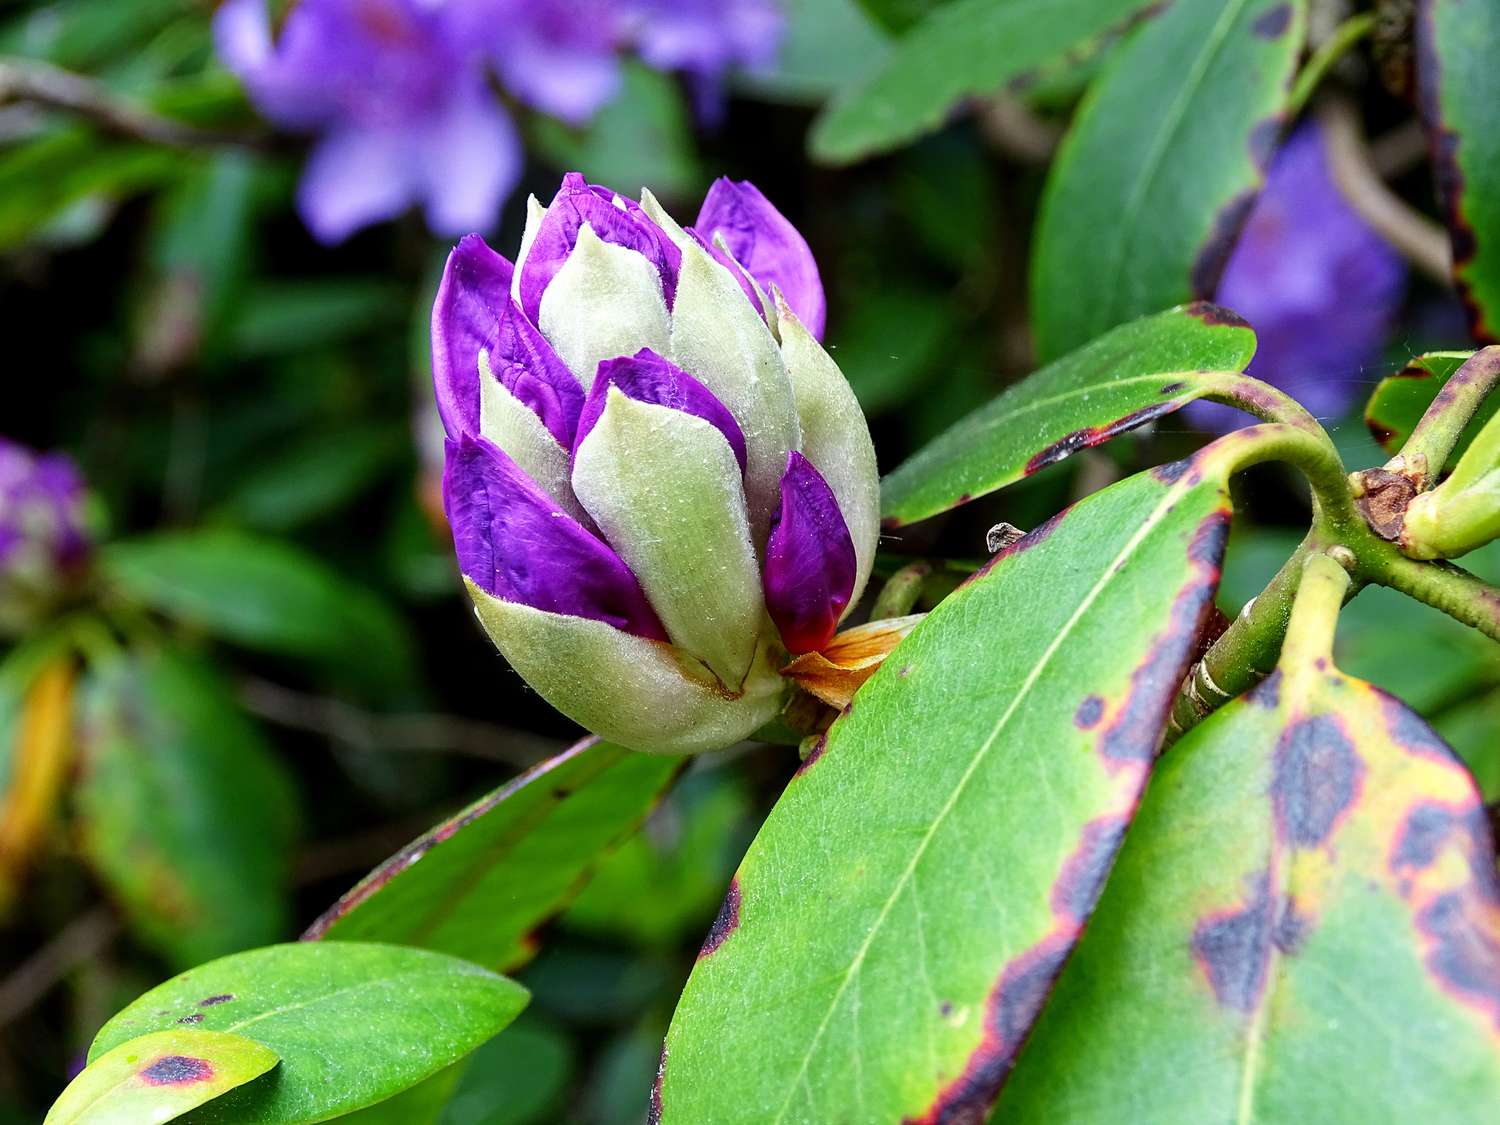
x=676 y=867
x=900 y=15
x=517 y=1078
x=159 y=1077
x=353 y=1023
x=266 y=595
x=1458 y=89
x=477 y=884
x=963 y=49
x=1401 y=399
x=422 y=1104
x=827 y=45
x=1302 y=926
x=1130 y=376
x=287 y=317
x=1146 y=197
x=895 y=926
x=316 y=476
x=182 y=808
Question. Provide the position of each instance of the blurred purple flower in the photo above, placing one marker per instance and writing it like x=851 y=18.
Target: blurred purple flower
x=398 y=91
x=1320 y=287
x=398 y=101
x=44 y=539
x=659 y=483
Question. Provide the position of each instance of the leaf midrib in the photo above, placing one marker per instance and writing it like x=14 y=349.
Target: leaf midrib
x=1147 y=525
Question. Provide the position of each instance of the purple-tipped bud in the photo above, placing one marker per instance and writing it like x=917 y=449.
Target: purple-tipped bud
x=765 y=243
x=44 y=536
x=526 y=365
x=613 y=218
x=473 y=295
x=810 y=561
x=515 y=543
x=646 y=377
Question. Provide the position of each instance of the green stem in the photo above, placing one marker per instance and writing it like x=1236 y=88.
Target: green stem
x=1446 y=587
x=1434 y=437
x=1268 y=403
x=901 y=591
x=1346 y=35
x=1324 y=588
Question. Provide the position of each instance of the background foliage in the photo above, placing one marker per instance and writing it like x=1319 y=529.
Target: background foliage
x=285 y=686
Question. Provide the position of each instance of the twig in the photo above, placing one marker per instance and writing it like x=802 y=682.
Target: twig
x=83 y=938
x=31 y=81
x=1421 y=240
x=357 y=729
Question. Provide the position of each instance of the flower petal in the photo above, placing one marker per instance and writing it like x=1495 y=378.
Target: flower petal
x=613 y=219
x=766 y=244
x=470 y=161
x=513 y=427
x=646 y=377
x=465 y=317
x=355 y=177
x=719 y=338
x=665 y=490
x=525 y=363
x=810 y=562
x=515 y=543
x=642 y=694
x=836 y=437
x=605 y=302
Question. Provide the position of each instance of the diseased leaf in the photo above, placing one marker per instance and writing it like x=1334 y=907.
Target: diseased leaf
x=1401 y=399
x=266 y=595
x=1126 y=378
x=159 y=1077
x=182 y=808
x=477 y=884
x=353 y=1023
x=898 y=921
x=962 y=49
x=1303 y=925
x=1148 y=192
x=1458 y=89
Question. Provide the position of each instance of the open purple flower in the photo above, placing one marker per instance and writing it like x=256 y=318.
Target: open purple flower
x=1321 y=288
x=398 y=91
x=44 y=538
x=659 y=483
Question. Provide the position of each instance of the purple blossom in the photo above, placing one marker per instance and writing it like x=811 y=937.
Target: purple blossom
x=1321 y=288
x=399 y=103
x=629 y=503
x=397 y=92
x=44 y=537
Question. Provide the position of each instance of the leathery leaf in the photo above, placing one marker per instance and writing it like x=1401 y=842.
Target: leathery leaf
x=897 y=923
x=1303 y=925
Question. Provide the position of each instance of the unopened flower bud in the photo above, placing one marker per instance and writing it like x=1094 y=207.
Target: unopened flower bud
x=659 y=483
x=44 y=540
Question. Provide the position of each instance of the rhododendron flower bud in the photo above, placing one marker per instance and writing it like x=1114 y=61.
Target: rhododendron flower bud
x=659 y=483
x=44 y=541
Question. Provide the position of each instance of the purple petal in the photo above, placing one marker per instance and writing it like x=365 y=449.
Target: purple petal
x=646 y=377
x=735 y=269
x=761 y=240
x=475 y=291
x=525 y=363
x=1320 y=286
x=810 y=562
x=519 y=546
x=471 y=159
x=613 y=219
x=355 y=177
x=561 y=56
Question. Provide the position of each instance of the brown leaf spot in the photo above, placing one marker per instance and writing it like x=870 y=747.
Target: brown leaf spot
x=1077 y=888
x=211 y=1001
x=1316 y=780
x=1233 y=947
x=725 y=923
x=1089 y=712
x=192 y=1017
x=1273 y=24
x=1094 y=435
x=1215 y=316
x=1213 y=256
x=177 y=1070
